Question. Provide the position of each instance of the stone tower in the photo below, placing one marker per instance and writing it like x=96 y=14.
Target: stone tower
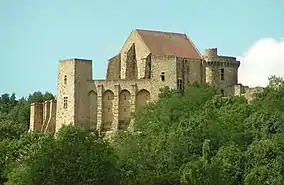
x=220 y=71
x=72 y=102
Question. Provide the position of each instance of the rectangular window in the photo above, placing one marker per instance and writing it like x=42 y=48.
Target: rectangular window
x=65 y=79
x=222 y=74
x=163 y=76
x=65 y=102
x=180 y=84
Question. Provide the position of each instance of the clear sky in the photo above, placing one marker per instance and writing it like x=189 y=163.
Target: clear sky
x=35 y=34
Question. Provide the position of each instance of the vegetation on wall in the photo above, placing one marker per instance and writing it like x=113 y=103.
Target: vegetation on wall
x=199 y=138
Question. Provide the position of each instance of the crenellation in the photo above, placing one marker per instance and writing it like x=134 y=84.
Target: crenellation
x=147 y=62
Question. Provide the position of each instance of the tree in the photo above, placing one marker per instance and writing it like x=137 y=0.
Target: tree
x=74 y=156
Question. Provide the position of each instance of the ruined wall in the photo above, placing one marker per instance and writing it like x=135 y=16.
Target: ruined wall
x=36 y=117
x=51 y=124
x=46 y=115
x=248 y=92
x=113 y=68
x=148 y=66
x=141 y=52
x=117 y=101
x=43 y=116
x=131 y=64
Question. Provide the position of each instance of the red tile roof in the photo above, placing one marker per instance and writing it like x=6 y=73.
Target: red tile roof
x=168 y=43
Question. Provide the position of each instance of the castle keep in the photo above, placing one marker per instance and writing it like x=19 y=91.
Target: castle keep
x=148 y=61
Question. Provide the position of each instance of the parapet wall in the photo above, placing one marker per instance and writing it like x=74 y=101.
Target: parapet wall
x=43 y=116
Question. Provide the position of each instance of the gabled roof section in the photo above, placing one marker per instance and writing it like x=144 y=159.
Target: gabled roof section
x=168 y=43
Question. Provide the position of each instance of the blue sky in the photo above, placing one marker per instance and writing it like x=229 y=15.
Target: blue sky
x=35 y=34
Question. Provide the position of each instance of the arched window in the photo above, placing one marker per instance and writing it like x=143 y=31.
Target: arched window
x=65 y=79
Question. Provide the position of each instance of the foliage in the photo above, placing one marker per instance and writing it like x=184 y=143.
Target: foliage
x=74 y=156
x=203 y=138
x=14 y=123
x=194 y=138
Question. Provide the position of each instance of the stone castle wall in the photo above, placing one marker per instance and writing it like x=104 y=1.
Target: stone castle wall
x=248 y=92
x=134 y=43
x=134 y=78
x=113 y=102
x=113 y=68
x=215 y=65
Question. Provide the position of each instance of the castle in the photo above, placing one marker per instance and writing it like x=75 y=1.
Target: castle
x=148 y=61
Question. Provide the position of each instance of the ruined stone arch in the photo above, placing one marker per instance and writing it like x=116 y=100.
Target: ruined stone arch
x=142 y=97
x=93 y=104
x=124 y=109
x=107 y=112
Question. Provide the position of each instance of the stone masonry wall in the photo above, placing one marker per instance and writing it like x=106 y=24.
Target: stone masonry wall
x=113 y=68
x=36 y=117
x=65 y=92
x=43 y=116
x=248 y=92
x=116 y=102
x=214 y=65
x=141 y=52
x=162 y=65
x=189 y=70
x=83 y=73
x=131 y=64
x=134 y=78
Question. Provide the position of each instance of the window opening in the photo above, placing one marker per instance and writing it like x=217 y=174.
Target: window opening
x=65 y=79
x=222 y=74
x=65 y=102
x=163 y=76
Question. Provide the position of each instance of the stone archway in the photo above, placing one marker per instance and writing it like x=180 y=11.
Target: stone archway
x=142 y=97
x=124 y=109
x=93 y=102
x=107 y=113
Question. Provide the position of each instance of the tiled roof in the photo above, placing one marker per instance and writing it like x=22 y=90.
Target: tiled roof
x=168 y=43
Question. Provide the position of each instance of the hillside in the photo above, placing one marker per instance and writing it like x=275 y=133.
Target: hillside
x=199 y=138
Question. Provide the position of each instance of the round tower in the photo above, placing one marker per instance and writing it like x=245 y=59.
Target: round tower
x=211 y=52
x=221 y=71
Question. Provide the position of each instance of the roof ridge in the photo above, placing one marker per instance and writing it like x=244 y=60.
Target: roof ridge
x=159 y=31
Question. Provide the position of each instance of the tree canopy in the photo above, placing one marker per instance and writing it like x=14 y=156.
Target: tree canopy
x=194 y=138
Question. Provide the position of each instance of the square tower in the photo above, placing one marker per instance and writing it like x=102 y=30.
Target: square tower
x=72 y=96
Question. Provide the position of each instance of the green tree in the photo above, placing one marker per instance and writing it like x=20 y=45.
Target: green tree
x=74 y=156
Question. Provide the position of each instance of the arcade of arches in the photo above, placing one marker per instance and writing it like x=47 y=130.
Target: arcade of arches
x=109 y=107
